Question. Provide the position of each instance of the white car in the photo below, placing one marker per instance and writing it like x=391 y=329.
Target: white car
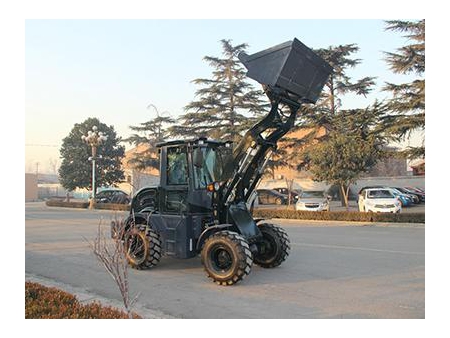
x=378 y=200
x=313 y=201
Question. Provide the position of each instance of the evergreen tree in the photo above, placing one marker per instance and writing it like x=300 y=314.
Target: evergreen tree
x=340 y=144
x=353 y=146
x=339 y=83
x=407 y=104
x=226 y=104
x=149 y=134
x=76 y=169
x=322 y=115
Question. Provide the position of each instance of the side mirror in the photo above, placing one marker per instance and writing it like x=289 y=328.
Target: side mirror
x=198 y=157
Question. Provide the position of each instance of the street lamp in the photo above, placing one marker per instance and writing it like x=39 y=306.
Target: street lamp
x=94 y=138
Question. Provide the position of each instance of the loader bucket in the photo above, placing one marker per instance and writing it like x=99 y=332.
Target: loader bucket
x=291 y=69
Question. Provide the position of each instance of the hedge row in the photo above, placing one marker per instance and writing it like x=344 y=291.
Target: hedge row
x=112 y=206
x=59 y=203
x=85 y=205
x=350 y=216
x=52 y=303
x=340 y=216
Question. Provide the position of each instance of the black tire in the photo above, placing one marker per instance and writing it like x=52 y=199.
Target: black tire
x=142 y=248
x=226 y=257
x=278 y=201
x=274 y=248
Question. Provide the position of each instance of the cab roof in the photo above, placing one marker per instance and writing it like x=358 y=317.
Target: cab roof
x=193 y=141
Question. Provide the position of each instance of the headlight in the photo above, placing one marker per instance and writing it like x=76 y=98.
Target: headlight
x=215 y=186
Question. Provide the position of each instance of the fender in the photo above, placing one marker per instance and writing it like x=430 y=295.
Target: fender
x=208 y=232
x=118 y=229
x=244 y=221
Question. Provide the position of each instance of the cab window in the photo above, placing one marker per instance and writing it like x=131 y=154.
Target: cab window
x=177 y=166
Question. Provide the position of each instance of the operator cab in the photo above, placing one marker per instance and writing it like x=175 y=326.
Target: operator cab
x=191 y=170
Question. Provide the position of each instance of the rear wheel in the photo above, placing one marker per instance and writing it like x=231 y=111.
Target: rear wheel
x=274 y=247
x=142 y=248
x=226 y=257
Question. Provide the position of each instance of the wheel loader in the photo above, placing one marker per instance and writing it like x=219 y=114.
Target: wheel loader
x=201 y=205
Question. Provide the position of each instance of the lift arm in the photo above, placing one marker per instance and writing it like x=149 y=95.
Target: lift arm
x=291 y=74
x=255 y=149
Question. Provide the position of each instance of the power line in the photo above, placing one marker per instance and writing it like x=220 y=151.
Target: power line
x=41 y=145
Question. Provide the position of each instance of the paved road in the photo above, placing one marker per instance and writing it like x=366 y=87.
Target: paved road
x=334 y=271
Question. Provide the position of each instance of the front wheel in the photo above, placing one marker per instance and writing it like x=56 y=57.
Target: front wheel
x=274 y=247
x=142 y=248
x=226 y=257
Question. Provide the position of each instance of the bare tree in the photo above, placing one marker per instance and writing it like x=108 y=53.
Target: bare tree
x=112 y=254
x=53 y=164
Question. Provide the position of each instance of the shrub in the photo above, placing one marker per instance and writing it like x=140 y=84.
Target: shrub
x=85 y=205
x=59 y=203
x=52 y=303
x=112 y=206
x=340 y=216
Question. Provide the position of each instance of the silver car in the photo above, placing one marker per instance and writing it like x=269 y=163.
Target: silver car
x=313 y=201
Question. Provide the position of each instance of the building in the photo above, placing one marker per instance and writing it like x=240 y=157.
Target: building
x=136 y=179
x=417 y=167
x=291 y=172
x=31 y=187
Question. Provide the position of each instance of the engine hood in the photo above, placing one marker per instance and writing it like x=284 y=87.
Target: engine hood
x=311 y=200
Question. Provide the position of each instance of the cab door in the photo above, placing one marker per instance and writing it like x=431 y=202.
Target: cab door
x=174 y=186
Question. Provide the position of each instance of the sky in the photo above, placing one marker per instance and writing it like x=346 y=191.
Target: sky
x=115 y=69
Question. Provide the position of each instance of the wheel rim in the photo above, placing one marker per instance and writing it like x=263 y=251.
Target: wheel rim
x=267 y=248
x=221 y=258
x=136 y=248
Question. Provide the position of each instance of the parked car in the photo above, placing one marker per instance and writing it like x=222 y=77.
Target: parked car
x=415 y=198
x=369 y=187
x=293 y=193
x=416 y=191
x=269 y=196
x=419 y=189
x=313 y=201
x=405 y=200
x=112 y=196
x=378 y=200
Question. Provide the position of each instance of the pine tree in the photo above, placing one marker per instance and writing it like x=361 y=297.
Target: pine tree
x=338 y=85
x=76 y=170
x=339 y=144
x=226 y=104
x=314 y=118
x=149 y=134
x=407 y=104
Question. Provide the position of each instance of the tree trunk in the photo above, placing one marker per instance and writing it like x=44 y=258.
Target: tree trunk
x=289 y=185
x=344 y=192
